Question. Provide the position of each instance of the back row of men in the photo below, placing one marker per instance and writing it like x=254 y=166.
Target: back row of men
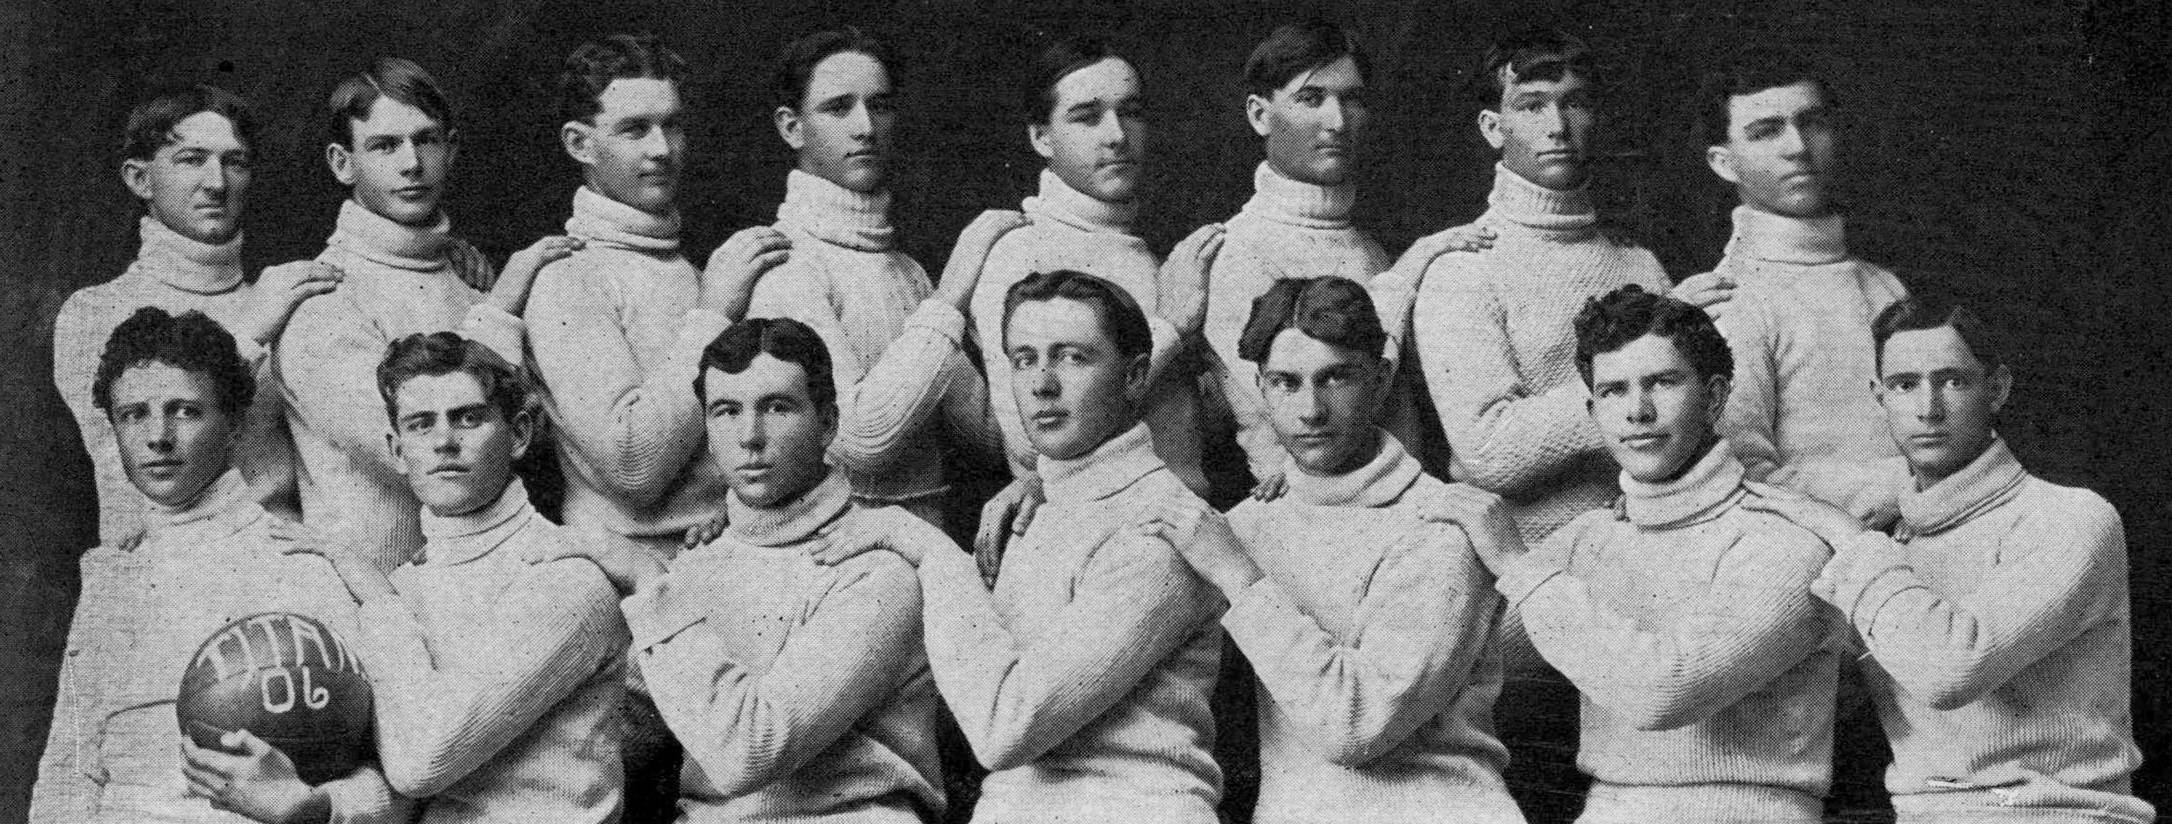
x=785 y=413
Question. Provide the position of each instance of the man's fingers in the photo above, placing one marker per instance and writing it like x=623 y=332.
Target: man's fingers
x=1021 y=515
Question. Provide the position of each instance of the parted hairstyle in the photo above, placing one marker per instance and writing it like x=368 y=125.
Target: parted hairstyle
x=796 y=64
x=1538 y=53
x=1296 y=48
x=190 y=342
x=1057 y=62
x=1610 y=322
x=1919 y=312
x=1120 y=315
x=504 y=385
x=786 y=340
x=395 y=77
x=1332 y=310
x=591 y=68
x=1750 y=71
x=151 y=122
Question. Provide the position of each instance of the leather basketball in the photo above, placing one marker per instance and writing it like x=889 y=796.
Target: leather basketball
x=287 y=679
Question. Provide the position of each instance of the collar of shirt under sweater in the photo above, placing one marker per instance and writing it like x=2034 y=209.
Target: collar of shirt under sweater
x=837 y=215
x=1108 y=469
x=1986 y=483
x=458 y=539
x=1059 y=202
x=1285 y=200
x=1762 y=235
x=1711 y=486
x=793 y=521
x=1529 y=205
x=599 y=219
x=1380 y=482
x=166 y=256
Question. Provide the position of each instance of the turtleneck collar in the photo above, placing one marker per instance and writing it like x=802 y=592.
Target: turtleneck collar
x=1712 y=484
x=1993 y=478
x=599 y=219
x=380 y=239
x=836 y=214
x=1283 y=199
x=226 y=496
x=458 y=539
x=1762 y=235
x=1528 y=204
x=1111 y=467
x=793 y=521
x=1063 y=204
x=1380 y=482
x=185 y=264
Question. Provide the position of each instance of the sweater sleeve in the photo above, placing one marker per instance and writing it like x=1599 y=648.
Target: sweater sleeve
x=1756 y=619
x=1751 y=420
x=327 y=362
x=69 y=774
x=2057 y=572
x=76 y=349
x=637 y=429
x=987 y=320
x=1421 y=623
x=1135 y=605
x=438 y=720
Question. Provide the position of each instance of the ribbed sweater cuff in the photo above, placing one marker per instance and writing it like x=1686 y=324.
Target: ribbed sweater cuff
x=1522 y=575
x=1258 y=618
x=656 y=615
x=361 y=797
x=941 y=318
x=1870 y=576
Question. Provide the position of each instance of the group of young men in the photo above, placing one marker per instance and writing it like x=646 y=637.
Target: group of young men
x=1692 y=501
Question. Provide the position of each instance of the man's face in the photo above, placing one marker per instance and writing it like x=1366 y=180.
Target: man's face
x=1543 y=128
x=396 y=161
x=1939 y=400
x=458 y=448
x=1779 y=151
x=1324 y=401
x=174 y=439
x=1314 y=123
x=195 y=183
x=766 y=431
x=1654 y=411
x=846 y=122
x=633 y=151
x=1074 y=390
x=1095 y=137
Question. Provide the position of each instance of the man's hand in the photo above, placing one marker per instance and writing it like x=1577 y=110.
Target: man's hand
x=1484 y=520
x=130 y=541
x=1183 y=280
x=1831 y=524
x=727 y=283
x=1469 y=237
x=852 y=538
x=355 y=566
x=1709 y=291
x=278 y=290
x=970 y=256
x=629 y=568
x=510 y=292
x=251 y=778
x=1004 y=518
x=1206 y=544
x=706 y=531
x=1271 y=487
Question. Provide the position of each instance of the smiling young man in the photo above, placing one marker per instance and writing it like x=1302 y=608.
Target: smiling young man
x=1996 y=616
x=1683 y=617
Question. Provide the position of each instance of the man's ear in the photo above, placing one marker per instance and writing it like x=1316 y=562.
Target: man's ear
x=341 y=161
x=1716 y=406
x=1255 y=113
x=136 y=175
x=580 y=141
x=788 y=127
x=1136 y=374
x=392 y=442
x=1037 y=135
x=2002 y=384
x=1489 y=125
x=452 y=146
x=1722 y=162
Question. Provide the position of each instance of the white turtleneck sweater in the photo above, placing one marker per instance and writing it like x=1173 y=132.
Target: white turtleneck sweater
x=1371 y=632
x=1496 y=339
x=617 y=342
x=113 y=752
x=498 y=678
x=800 y=691
x=1687 y=624
x=1802 y=412
x=2000 y=648
x=1072 y=230
x=1083 y=679
x=400 y=280
x=905 y=389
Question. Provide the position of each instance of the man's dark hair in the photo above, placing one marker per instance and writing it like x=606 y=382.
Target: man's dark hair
x=189 y=342
x=1296 y=48
x=591 y=68
x=1120 y=315
x=1057 y=62
x=796 y=64
x=1611 y=322
x=151 y=122
x=786 y=340
x=1918 y=312
x=395 y=77
x=1332 y=310
x=1750 y=71
x=504 y=385
x=1538 y=53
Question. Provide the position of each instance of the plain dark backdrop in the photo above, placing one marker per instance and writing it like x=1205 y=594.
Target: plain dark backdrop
x=2012 y=151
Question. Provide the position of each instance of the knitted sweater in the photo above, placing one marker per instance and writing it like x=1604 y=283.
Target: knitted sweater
x=1687 y=624
x=1371 y=634
x=113 y=751
x=1999 y=637
x=618 y=347
x=800 y=691
x=1802 y=412
x=1083 y=679
x=400 y=280
x=902 y=380
x=1496 y=340
x=1072 y=230
x=498 y=678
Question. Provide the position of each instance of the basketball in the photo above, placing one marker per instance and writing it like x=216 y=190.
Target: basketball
x=287 y=679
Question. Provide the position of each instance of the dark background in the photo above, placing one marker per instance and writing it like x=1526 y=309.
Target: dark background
x=2013 y=151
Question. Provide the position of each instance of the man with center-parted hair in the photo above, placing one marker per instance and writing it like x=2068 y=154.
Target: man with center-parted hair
x=1683 y=616
x=497 y=671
